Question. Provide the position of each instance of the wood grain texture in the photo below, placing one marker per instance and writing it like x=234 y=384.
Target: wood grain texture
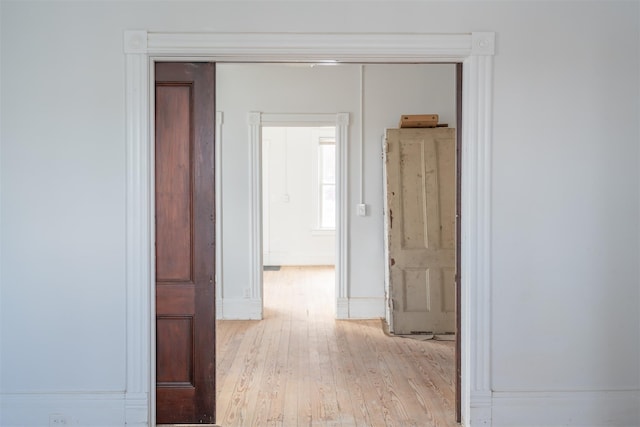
x=174 y=167
x=301 y=367
x=421 y=198
x=177 y=332
x=185 y=236
x=458 y=241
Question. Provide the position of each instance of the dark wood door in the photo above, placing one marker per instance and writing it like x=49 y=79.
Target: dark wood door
x=185 y=242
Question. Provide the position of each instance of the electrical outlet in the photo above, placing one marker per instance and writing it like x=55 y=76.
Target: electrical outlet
x=362 y=209
x=56 y=420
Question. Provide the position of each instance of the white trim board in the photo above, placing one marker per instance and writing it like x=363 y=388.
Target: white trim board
x=91 y=409
x=242 y=308
x=474 y=50
x=218 y=189
x=298 y=258
x=366 y=308
x=575 y=408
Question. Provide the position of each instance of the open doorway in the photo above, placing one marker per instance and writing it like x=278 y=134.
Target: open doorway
x=285 y=91
x=475 y=50
x=337 y=133
x=298 y=216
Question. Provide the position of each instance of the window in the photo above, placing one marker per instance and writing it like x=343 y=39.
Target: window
x=327 y=183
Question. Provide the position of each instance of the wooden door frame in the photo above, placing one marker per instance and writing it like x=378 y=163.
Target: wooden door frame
x=458 y=242
x=475 y=50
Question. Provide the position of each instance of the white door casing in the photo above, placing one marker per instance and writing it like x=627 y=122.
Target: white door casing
x=255 y=121
x=474 y=50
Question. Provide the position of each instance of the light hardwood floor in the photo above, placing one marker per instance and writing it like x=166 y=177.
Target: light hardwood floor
x=301 y=367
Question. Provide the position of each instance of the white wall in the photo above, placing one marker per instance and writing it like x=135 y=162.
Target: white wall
x=565 y=297
x=290 y=197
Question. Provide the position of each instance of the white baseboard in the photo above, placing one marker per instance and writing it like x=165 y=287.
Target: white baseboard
x=241 y=309
x=298 y=258
x=578 y=408
x=366 y=308
x=76 y=409
x=342 y=308
x=347 y=308
x=136 y=409
x=219 y=308
x=480 y=409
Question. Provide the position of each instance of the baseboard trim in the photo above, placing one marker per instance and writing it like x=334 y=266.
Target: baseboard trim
x=366 y=308
x=136 y=409
x=95 y=409
x=577 y=408
x=298 y=259
x=346 y=308
x=219 y=308
x=342 y=308
x=241 y=309
x=480 y=409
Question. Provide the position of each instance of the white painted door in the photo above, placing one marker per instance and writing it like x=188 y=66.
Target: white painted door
x=421 y=203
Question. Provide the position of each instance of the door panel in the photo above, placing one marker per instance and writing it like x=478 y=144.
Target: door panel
x=174 y=262
x=421 y=199
x=185 y=252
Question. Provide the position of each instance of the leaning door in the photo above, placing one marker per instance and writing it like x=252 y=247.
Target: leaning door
x=421 y=203
x=185 y=251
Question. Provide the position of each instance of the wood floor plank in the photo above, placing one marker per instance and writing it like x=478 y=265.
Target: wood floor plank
x=433 y=367
x=423 y=394
x=301 y=367
x=393 y=381
x=266 y=391
x=275 y=415
x=377 y=376
x=245 y=369
x=345 y=390
x=355 y=384
x=226 y=371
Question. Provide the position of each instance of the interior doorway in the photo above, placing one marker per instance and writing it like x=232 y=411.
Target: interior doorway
x=324 y=141
x=476 y=50
x=324 y=133
x=260 y=122
x=298 y=206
